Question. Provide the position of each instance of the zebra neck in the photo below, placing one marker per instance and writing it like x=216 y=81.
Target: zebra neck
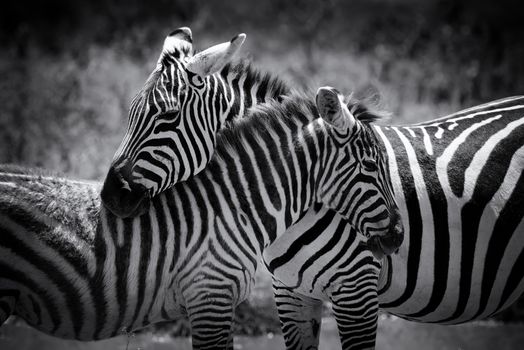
x=252 y=200
x=259 y=187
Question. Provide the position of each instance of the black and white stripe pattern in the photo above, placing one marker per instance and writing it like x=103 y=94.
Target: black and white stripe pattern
x=73 y=269
x=324 y=260
x=458 y=180
x=459 y=184
x=174 y=119
x=247 y=88
x=442 y=173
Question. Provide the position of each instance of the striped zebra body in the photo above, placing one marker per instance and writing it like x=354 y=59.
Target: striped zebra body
x=459 y=184
x=175 y=119
x=75 y=270
x=322 y=259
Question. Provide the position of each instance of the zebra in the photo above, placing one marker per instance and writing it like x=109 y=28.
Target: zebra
x=201 y=84
x=429 y=164
x=73 y=269
x=459 y=184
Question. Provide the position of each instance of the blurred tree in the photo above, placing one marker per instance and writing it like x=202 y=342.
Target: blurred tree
x=485 y=36
x=306 y=19
x=52 y=23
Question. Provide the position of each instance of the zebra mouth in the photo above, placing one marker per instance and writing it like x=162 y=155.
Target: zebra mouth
x=121 y=199
x=127 y=205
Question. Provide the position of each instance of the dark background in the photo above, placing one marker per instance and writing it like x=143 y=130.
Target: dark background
x=69 y=68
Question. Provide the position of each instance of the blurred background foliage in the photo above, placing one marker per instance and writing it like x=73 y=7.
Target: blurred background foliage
x=69 y=68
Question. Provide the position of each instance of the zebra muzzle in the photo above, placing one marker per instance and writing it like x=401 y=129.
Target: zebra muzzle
x=122 y=197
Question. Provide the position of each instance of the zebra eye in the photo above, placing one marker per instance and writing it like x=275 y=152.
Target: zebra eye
x=168 y=116
x=197 y=81
x=370 y=165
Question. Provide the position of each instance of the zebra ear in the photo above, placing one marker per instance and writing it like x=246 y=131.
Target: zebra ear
x=331 y=107
x=216 y=57
x=179 y=40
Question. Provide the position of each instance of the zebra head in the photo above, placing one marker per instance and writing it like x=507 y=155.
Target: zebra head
x=355 y=181
x=172 y=124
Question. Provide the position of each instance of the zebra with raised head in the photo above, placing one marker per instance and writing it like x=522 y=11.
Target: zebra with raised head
x=71 y=268
x=461 y=258
x=158 y=143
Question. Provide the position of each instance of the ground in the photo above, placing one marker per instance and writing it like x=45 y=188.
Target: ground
x=393 y=333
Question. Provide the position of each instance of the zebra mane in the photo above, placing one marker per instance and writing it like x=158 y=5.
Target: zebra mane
x=363 y=104
x=148 y=85
x=18 y=173
x=271 y=84
x=366 y=109
x=294 y=109
x=6 y=169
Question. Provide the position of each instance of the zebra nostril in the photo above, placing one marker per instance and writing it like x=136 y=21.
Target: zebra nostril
x=397 y=225
x=112 y=185
x=122 y=168
x=396 y=230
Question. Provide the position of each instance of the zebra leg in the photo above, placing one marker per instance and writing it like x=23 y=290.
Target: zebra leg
x=300 y=318
x=211 y=321
x=8 y=299
x=356 y=311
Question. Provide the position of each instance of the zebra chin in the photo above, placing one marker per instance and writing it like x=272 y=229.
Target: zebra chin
x=122 y=198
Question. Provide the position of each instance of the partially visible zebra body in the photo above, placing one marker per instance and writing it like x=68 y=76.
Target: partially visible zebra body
x=459 y=182
x=72 y=269
x=461 y=185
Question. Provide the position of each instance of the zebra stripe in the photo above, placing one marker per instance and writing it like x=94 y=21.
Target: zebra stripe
x=457 y=182
x=462 y=201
